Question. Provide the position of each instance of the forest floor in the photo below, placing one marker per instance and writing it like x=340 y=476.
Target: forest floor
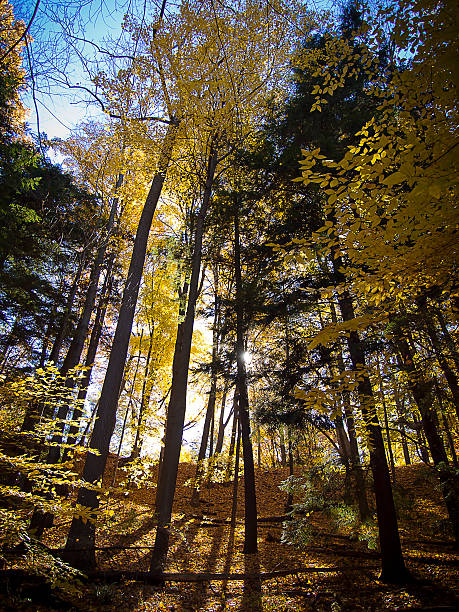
x=333 y=572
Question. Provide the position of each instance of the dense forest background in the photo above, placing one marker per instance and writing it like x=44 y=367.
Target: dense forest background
x=244 y=259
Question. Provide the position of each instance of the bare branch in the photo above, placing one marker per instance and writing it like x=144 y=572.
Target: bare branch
x=14 y=45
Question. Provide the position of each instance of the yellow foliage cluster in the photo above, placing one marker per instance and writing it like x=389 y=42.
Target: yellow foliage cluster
x=391 y=201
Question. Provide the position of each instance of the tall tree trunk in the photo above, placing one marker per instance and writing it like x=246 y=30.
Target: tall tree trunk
x=345 y=456
x=399 y=408
x=283 y=450
x=59 y=339
x=421 y=447
x=422 y=393
x=81 y=538
x=92 y=351
x=144 y=402
x=203 y=446
x=236 y=471
x=233 y=432
x=450 y=376
x=210 y=403
x=177 y=405
x=393 y=565
x=250 y=499
x=72 y=359
x=289 y=503
x=446 y=426
x=386 y=420
x=453 y=353
x=357 y=471
x=221 y=423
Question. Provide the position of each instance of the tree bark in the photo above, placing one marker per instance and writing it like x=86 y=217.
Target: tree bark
x=399 y=408
x=386 y=420
x=177 y=404
x=450 y=376
x=250 y=500
x=453 y=353
x=72 y=359
x=236 y=472
x=393 y=568
x=92 y=351
x=221 y=422
x=233 y=432
x=422 y=393
x=81 y=538
x=360 y=488
x=57 y=344
x=210 y=403
x=144 y=403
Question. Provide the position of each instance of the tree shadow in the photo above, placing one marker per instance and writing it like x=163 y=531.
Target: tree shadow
x=228 y=558
x=130 y=538
x=252 y=593
x=198 y=593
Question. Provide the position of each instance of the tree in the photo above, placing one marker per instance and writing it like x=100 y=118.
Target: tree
x=392 y=249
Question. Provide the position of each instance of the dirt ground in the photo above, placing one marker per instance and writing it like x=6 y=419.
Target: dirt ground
x=333 y=572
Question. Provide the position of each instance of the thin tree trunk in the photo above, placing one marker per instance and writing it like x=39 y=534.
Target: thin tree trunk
x=446 y=426
x=210 y=403
x=289 y=503
x=203 y=446
x=92 y=351
x=236 y=472
x=250 y=500
x=57 y=345
x=360 y=488
x=386 y=420
x=144 y=403
x=283 y=450
x=399 y=408
x=72 y=359
x=393 y=566
x=177 y=405
x=422 y=393
x=221 y=424
x=81 y=538
x=345 y=456
x=211 y=437
x=233 y=433
x=448 y=339
x=273 y=451
x=450 y=376
x=421 y=448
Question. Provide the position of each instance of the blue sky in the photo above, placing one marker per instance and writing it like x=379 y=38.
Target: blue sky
x=60 y=109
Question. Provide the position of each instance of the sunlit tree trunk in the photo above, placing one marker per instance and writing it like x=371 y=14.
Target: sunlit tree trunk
x=221 y=421
x=233 y=433
x=446 y=425
x=399 y=408
x=345 y=456
x=144 y=402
